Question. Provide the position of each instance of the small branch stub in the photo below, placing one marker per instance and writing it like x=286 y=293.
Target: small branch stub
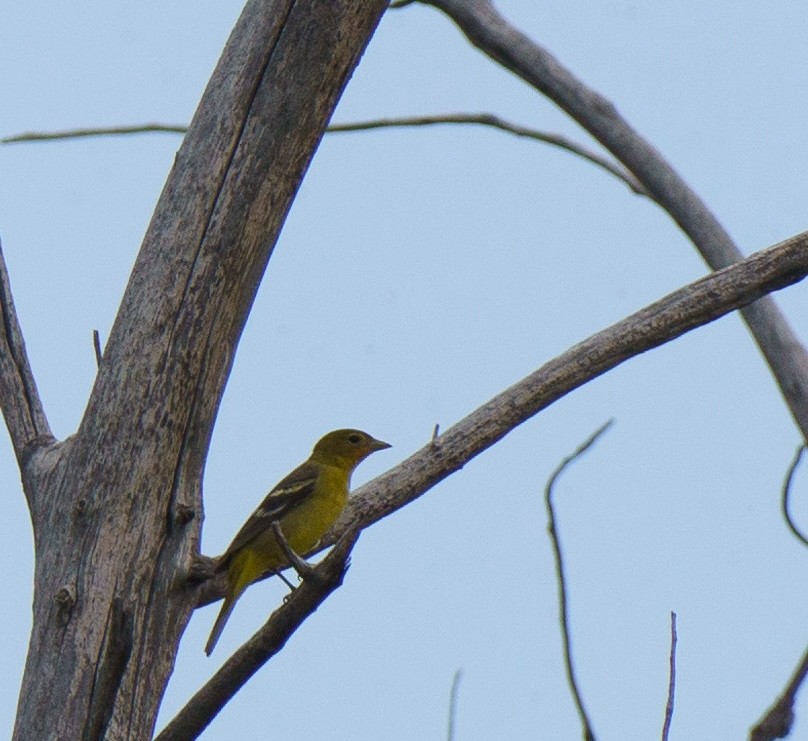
x=65 y=602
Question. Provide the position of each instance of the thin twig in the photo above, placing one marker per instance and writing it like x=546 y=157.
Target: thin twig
x=488 y=119
x=779 y=718
x=666 y=726
x=786 y=495
x=563 y=609
x=42 y=136
x=97 y=348
x=480 y=119
x=203 y=707
x=450 y=731
x=303 y=568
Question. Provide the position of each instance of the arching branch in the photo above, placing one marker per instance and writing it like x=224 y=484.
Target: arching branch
x=490 y=32
x=689 y=307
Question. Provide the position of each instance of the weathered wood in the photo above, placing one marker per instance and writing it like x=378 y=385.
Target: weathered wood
x=22 y=408
x=689 y=307
x=117 y=509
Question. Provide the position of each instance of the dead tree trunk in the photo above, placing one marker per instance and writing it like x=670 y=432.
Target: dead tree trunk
x=117 y=508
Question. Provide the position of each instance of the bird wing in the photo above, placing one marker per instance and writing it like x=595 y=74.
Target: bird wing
x=288 y=494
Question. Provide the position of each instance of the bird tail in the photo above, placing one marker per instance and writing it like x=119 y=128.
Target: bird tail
x=221 y=619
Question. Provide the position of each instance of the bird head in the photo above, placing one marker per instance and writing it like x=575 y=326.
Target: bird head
x=349 y=447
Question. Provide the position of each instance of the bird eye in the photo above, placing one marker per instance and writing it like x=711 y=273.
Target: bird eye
x=354 y=439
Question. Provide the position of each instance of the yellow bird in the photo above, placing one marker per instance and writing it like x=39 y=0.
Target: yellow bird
x=306 y=503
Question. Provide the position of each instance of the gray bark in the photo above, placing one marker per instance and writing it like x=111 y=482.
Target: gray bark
x=117 y=508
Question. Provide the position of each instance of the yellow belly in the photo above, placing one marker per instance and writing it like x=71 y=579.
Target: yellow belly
x=303 y=527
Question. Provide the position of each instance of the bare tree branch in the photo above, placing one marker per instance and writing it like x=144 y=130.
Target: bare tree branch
x=92 y=131
x=689 y=307
x=786 y=496
x=779 y=719
x=681 y=311
x=97 y=348
x=205 y=705
x=561 y=579
x=666 y=726
x=488 y=119
x=450 y=729
x=19 y=399
x=482 y=119
x=490 y=32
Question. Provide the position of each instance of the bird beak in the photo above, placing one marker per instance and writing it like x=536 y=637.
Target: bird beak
x=375 y=445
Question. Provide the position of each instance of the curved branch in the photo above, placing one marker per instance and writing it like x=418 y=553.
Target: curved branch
x=563 y=605
x=696 y=304
x=493 y=35
x=785 y=497
x=488 y=119
x=689 y=307
x=482 y=119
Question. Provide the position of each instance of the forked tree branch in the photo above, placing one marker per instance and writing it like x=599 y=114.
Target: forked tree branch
x=689 y=307
x=675 y=314
x=206 y=703
x=490 y=32
x=218 y=205
x=119 y=521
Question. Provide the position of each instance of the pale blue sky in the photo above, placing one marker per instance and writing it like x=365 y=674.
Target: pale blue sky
x=420 y=272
